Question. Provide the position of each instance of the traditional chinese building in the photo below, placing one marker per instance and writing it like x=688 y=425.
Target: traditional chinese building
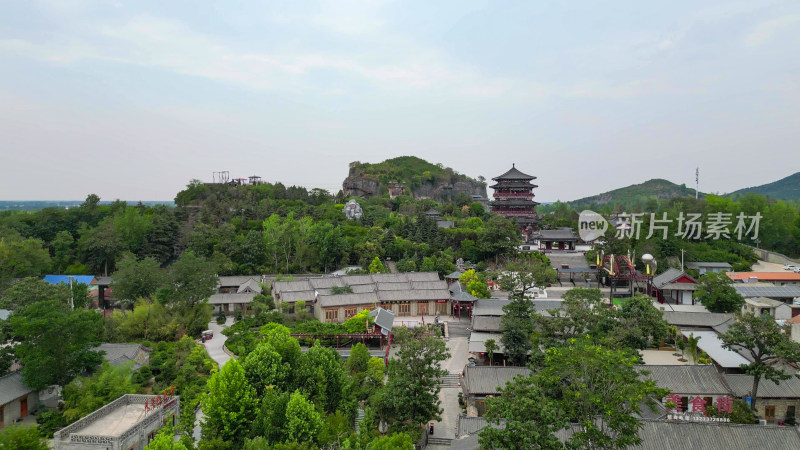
x=128 y=423
x=513 y=198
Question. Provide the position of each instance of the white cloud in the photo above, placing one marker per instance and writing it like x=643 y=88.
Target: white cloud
x=764 y=32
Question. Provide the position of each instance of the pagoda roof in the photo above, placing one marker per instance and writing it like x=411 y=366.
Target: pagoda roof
x=514 y=174
x=514 y=202
x=513 y=185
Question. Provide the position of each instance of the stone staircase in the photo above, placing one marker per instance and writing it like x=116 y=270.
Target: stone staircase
x=359 y=417
x=450 y=380
x=444 y=442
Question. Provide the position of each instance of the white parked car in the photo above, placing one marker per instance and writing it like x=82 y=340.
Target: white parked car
x=789 y=267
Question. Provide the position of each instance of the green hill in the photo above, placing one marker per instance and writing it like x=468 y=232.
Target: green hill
x=636 y=194
x=417 y=176
x=785 y=189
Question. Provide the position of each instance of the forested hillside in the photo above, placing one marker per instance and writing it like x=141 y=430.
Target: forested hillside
x=636 y=195
x=266 y=228
x=786 y=189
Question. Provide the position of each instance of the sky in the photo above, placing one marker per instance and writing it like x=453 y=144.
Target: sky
x=132 y=100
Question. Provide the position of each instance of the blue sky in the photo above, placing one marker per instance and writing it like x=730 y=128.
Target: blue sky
x=132 y=100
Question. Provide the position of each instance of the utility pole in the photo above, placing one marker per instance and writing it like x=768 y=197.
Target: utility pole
x=71 y=294
x=682 y=251
x=696 y=182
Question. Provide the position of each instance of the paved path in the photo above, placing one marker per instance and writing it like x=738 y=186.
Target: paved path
x=215 y=351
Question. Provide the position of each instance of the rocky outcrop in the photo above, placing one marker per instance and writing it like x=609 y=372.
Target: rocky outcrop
x=360 y=187
x=443 y=192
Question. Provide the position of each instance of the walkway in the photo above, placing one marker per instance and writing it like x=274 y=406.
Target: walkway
x=215 y=352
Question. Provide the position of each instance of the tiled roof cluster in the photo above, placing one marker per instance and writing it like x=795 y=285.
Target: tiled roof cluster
x=366 y=289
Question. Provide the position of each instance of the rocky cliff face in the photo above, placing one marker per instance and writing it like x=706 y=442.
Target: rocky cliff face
x=360 y=186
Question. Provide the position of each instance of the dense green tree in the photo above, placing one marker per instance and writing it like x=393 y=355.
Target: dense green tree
x=376 y=266
x=22 y=258
x=517 y=327
x=193 y=279
x=28 y=291
x=21 y=437
x=764 y=341
x=264 y=367
x=84 y=395
x=640 y=323
x=322 y=377
x=63 y=251
x=165 y=440
x=161 y=238
x=412 y=393
x=303 y=421
x=229 y=406
x=475 y=284
x=55 y=342
x=716 y=293
x=524 y=274
x=271 y=418
x=398 y=441
x=149 y=320
x=101 y=246
x=491 y=347
x=531 y=419
x=137 y=278
x=580 y=383
x=500 y=237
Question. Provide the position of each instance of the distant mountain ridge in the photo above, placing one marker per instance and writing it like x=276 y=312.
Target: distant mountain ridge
x=656 y=188
x=785 y=189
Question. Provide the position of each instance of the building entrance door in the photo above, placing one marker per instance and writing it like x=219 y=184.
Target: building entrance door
x=23 y=408
x=769 y=413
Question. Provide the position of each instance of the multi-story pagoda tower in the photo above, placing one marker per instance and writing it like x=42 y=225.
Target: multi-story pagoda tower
x=513 y=199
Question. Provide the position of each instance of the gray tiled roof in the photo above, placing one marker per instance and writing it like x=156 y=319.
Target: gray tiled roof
x=414 y=294
x=464 y=297
x=746 y=290
x=489 y=307
x=294 y=296
x=466 y=425
x=404 y=286
x=251 y=285
x=118 y=354
x=714 y=265
x=667 y=277
x=741 y=385
x=670 y=434
x=12 y=388
x=221 y=299
x=477 y=341
x=366 y=298
x=561 y=234
x=236 y=281
x=487 y=380
x=383 y=319
x=371 y=288
x=688 y=380
x=455 y=275
x=486 y=323
x=695 y=319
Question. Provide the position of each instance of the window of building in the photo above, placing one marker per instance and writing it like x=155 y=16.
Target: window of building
x=404 y=309
x=790 y=411
x=387 y=306
x=350 y=312
x=684 y=403
x=331 y=315
x=422 y=308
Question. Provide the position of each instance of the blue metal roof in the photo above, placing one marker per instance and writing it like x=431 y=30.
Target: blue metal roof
x=56 y=279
